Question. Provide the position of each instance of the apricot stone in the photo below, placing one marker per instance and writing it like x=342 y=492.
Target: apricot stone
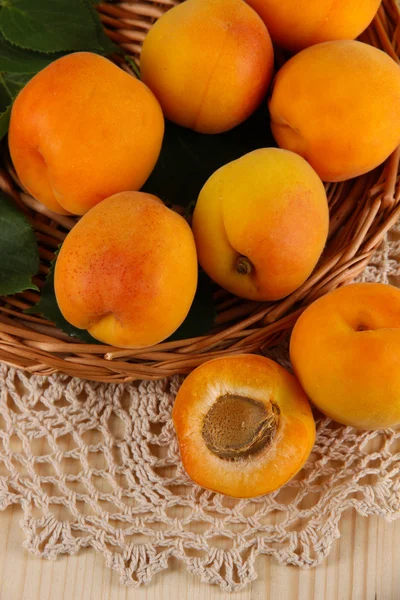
x=345 y=350
x=81 y=130
x=297 y=24
x=337 y=104
x=209 y=63
x=244 y=425
x=127 y=272
x=261 y=223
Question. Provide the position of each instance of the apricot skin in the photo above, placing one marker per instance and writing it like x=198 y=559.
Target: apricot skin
x=320 y=21
x=127 y=272
x=261 y=379
x=81 y=130
x=269 y=206
x=209 y=63
x=345 y=351
x=337 y=104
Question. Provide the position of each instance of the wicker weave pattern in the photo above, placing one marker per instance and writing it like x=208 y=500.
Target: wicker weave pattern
x=362 y=211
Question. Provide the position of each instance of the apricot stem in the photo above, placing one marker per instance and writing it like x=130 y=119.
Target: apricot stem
x=236 y=426
x=243 y=265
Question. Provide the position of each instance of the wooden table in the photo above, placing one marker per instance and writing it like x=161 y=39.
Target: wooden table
x=363 y=565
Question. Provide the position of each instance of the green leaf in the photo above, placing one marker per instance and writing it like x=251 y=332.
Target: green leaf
x=18 y=60
x=187 y=158
x=5 y=121
x=51 y=25
x=19 y=256
x=48 y=307
x=10 y=85
x=202 y=313
x=14 y=82
x=133 y=65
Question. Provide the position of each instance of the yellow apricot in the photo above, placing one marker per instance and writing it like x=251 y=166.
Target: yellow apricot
x=297 y=24
x=81 y=130
x=244 y=425
x=209 y=63
x=127 y=272
x=261 y=223
x=337 y=104
x=345 y=351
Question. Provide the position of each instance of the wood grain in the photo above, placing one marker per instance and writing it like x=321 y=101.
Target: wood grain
x=363 y=565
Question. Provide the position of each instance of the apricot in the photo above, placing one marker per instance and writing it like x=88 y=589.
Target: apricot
x=81 y=130
x=244 y=425
x=127 y=272
x=337 y=104
x=261 y=223
x=209 y=63
x=345 y=350
x=297 y=24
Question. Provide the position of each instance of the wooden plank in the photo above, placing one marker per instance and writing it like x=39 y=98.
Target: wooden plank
x=363 y=565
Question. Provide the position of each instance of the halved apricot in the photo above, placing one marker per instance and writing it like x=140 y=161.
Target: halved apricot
x=244 y=425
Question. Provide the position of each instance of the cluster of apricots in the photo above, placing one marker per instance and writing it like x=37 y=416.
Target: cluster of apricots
x=85 y=136
x=244 y=423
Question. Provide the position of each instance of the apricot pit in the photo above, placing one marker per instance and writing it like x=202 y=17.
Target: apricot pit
x=237 y=426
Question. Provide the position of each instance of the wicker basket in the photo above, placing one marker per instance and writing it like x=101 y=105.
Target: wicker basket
x=362 y=211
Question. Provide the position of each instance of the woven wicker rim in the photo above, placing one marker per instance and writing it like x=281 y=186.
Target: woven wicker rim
x=362 y=210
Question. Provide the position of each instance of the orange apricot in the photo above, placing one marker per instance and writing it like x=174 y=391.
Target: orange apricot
x=244 y=425
x=337 y=104
x=209 y=63
x=297 y=24
x=345 y=351
x=261 y=223
x=81 y=130
x=127 y=272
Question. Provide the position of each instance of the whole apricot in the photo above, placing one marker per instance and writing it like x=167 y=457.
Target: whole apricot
x=209 y=63
x=338 y=105
x=244 y=425
x=297 y=24
x=261 y=223
x=127 y=272
x=345 y=351
x=81 y=130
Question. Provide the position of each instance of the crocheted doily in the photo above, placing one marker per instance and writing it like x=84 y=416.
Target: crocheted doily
x=98 y=465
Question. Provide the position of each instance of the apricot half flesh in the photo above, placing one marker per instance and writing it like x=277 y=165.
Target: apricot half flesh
x=244 y=425
x=345 y=351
